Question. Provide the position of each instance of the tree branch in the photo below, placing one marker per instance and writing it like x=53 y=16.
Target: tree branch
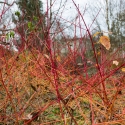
x=7 y=3
x=6 y=29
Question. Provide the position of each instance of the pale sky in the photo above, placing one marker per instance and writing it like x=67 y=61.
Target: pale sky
x=85 y=6
x=69 y=11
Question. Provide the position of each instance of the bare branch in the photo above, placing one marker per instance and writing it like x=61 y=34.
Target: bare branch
x=7 y=3
x=5 y=30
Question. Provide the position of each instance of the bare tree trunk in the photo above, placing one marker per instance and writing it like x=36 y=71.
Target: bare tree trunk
x=107 y=14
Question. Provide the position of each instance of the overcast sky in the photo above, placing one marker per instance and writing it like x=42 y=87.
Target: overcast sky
x=70 y=9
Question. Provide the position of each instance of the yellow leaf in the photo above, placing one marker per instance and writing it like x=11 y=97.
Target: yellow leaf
x=58 y=58
x=115 y=62
x=46 y=56
x=96 y=34
x=105 y=41
x=123 y=69
x=96 y=65
x=98 y=53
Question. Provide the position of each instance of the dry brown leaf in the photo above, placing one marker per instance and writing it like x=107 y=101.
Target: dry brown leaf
x=105 y=41
x=115 y=62
x=46 y=56
x=58 y=58
x=123 y=69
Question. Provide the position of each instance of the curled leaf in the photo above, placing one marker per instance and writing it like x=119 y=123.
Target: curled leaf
x=105 y=41
x=115 y=62
x=12 y=34
x=96 y=34
x=98 y=53
x=35 y=18
x=46 y=56
x=17 y=13
x=29 y=25
x=123 y=69
x=58 y=58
